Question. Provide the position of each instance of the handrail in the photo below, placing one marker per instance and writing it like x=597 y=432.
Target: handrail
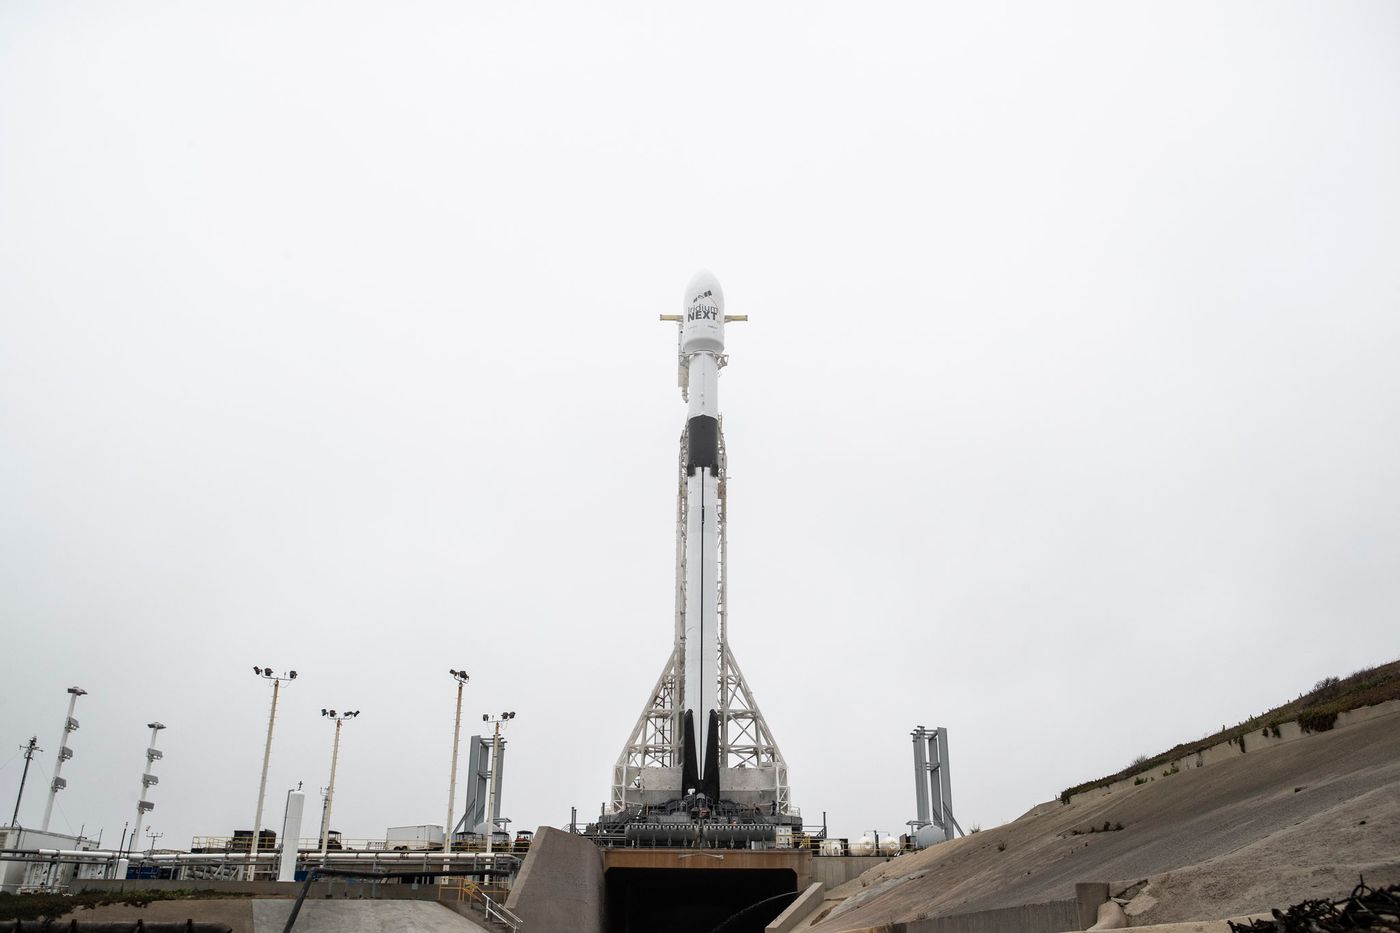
x=490 y=908
x=315 y=874
x=501 y=913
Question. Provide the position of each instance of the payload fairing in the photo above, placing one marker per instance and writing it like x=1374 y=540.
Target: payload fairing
x=700 y=759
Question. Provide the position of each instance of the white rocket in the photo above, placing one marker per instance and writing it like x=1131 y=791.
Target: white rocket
x=701 y=729
x=702 y=355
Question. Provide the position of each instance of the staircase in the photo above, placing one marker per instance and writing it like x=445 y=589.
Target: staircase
x=483 y=904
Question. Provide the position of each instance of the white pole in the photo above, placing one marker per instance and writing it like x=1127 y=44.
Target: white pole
x=70 y=725
x=330 y=791
x=452 y=781
x=262 y=782
x=491 y=788
x=147 y=779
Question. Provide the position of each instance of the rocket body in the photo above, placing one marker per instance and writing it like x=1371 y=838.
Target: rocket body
x=702 y=349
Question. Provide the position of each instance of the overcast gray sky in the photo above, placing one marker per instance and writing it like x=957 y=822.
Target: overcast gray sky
x=1066 y=417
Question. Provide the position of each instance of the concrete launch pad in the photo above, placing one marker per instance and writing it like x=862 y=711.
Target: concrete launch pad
x=569 y=883
x=361 y=916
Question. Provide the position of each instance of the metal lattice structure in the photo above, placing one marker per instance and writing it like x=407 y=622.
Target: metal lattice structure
x=747 y=746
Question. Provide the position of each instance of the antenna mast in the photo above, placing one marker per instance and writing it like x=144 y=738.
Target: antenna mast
x=29 y=751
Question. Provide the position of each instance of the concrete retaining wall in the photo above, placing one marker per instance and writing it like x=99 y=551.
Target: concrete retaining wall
x=1253 y=741
x=560 y=885
x=835 y=870
x=798 y=911
x=1051 y=917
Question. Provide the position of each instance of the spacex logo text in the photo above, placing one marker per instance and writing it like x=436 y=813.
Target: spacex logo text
x=703 y=313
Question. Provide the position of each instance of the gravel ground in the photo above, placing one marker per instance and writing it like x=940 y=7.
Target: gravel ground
x=1269 y=828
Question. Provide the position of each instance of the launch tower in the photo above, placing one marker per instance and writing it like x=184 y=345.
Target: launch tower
x=700 y=764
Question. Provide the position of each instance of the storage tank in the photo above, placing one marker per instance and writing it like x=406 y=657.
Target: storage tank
x=831 y=847
x=865 y=845
x=889 y=845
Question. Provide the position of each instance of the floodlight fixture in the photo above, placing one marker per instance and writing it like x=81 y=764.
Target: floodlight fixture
x=292 y=675
x=157 y=726
x=257 y=670
x=77 y=691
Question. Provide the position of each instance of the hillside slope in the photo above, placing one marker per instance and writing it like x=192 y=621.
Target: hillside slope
x=1263 y=829
x=1314 y=711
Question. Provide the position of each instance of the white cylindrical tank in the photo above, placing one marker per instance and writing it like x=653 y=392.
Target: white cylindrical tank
x=865 y=845
x=291 y=833
x=831 y=847
x=889 y=845
x=702 y=315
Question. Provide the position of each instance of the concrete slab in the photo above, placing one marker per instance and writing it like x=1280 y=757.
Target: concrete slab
x=560 y=886
x=361 y=916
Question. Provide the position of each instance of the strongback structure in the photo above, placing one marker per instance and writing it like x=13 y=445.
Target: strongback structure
x=481 y=771
x=701 y=751
x=933 y=787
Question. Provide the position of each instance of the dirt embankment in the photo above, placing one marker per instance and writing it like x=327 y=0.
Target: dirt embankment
x=1265 y=829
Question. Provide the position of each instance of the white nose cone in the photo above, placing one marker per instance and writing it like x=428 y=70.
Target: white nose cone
x=702 y=316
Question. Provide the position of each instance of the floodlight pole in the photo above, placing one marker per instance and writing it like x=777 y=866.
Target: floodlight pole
x=267 y=674
x=148 y=780
x=491 y=786
x=70 y=725
x=330 y=788
x=461 y=677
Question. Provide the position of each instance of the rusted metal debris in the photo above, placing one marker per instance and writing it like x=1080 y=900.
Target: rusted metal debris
x=1365 y=909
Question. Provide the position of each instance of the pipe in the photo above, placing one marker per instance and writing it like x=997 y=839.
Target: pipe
x=94 y=855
